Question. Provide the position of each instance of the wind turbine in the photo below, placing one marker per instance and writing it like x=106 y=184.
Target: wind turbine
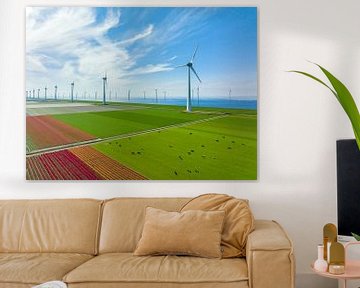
x=45 y=92
x=156 y=95
x=189 y=65
x=55 y=92
x=104 y=88
x=72 y=91
x=230 y=94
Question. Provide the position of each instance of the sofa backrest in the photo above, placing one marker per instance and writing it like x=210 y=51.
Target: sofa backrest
x=123 y=220
x=67 y=226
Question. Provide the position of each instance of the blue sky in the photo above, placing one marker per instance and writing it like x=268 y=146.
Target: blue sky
x=138 y=48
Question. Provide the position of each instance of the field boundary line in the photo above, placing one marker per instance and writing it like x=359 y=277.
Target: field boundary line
x=121 y=136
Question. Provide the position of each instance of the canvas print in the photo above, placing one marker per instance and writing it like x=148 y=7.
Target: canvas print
x=141 y=93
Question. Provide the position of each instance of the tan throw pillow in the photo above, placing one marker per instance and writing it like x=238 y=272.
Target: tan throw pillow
x=196 y=233
x=239 y=220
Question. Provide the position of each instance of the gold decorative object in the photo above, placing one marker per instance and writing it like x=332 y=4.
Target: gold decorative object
x=330 y=236
x=337 y=258
x=337 y=253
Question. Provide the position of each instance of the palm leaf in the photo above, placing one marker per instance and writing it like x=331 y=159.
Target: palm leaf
x=357 y=237
x=344 y=97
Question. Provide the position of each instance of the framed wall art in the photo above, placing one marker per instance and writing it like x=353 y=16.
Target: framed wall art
x=141 y=93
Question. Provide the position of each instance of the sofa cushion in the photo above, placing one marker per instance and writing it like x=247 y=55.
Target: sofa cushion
x=194 y=232
x=126 y=268
x=36 y=268
x=123 y=220
x=239 y=220
x=62 y=226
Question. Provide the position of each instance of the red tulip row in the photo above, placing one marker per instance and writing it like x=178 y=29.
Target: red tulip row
x=83 y=163
x=62 y=165
x=46 y=131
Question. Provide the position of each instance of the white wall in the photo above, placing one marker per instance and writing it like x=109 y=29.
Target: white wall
x=299 y=121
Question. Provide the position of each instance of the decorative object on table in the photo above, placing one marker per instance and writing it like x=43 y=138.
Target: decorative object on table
x=52 y=284
x=105 y=119
x=329 y=236
x=320 y=264
x=337 y=258
x=344 y=97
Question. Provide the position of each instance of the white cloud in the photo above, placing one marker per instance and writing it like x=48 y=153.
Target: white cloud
x=151 y=69
x=139 y=36
x=70 y=44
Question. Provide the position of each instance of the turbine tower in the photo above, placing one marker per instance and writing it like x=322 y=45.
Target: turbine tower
x=144 y=94
x=45 y=92
x=38 y=93
x=190 y=67
x=156 y=95
x=72 y=91
x=55 y=92
x=165 y=95
x=129 y=95
x=198 y=94
x=230 y=94
x=104 y=88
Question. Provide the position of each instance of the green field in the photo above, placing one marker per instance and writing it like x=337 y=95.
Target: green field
x=105 y=124
x=223 y=149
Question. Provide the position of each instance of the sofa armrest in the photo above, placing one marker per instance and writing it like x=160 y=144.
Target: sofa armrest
x=269 y=256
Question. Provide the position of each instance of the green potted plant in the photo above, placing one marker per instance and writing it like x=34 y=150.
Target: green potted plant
x=345 y=99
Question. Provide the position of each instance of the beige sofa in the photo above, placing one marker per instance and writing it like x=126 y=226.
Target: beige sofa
x=89 y=243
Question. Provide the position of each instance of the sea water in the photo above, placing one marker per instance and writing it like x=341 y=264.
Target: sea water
x=213 y=103
x=205 y=102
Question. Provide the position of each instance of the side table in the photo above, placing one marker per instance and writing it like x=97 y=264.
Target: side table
x=352 y=268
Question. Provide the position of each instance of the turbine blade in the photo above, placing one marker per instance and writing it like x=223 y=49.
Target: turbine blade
x=192 y=58
x=195 y=73
x=180 y=66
